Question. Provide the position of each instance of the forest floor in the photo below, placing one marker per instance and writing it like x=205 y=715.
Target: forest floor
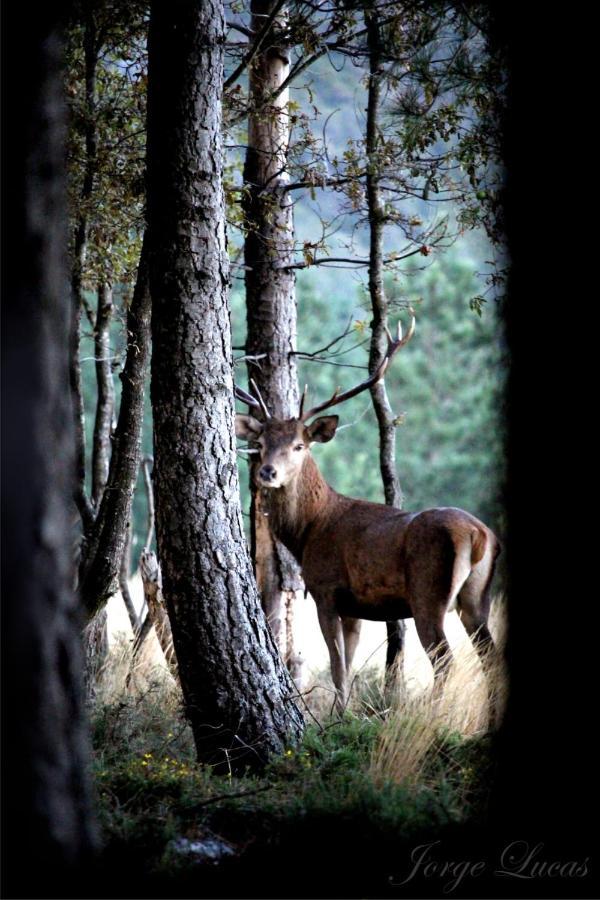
x=339 y=815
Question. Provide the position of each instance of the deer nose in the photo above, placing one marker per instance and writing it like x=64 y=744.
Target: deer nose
x=267 y=472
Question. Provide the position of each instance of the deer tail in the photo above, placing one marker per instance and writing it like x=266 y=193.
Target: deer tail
x=478 y=545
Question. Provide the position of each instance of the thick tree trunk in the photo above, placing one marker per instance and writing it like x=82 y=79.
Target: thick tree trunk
x=48 y=825
x=238 y=694
x=381 y=404
x=270 y=298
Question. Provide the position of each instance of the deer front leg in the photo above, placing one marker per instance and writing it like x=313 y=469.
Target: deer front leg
x=351 y=629
x=331 y=626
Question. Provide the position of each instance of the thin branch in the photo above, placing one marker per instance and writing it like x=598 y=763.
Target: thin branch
x=124 y=581
x=354 y=262
x=147 y=462
x=236 y=796
x=327 y=347
x=242 y=29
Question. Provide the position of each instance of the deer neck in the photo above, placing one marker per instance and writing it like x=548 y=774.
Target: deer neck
x=295 y=508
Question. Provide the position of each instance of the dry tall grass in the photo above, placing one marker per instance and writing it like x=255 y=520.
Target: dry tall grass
x=413 y=721
x=418 y=720
x=124 y=677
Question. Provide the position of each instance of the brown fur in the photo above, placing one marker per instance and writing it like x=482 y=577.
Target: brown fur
x=363 y=560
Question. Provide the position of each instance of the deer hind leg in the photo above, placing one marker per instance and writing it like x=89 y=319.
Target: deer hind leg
x=474 y=607
x=431 y=587
x=331 y=626
x=430 y=629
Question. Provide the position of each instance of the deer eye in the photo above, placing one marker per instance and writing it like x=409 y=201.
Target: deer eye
x=299 y=447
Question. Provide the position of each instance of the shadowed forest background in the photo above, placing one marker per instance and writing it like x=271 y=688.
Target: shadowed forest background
x=179 y=757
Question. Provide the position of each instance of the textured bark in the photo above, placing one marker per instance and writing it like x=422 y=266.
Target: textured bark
x=104 y=542
x=79 y=254
x=49 y=829
x=124 y=573
x=270 y=298
x=381 y=404
x=105 y=404
x=238 y=694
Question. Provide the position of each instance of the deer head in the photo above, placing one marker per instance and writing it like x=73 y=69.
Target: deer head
x=283 y=444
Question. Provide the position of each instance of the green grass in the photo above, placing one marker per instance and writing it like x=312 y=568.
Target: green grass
x=324 y=793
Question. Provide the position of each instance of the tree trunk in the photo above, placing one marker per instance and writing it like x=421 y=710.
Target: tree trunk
x=385 y=417
x=104 y=543
x=105 y=517
x=270 y=298
x=79 y=254
x=49 y=829
x=238 y=694
x=105 y=405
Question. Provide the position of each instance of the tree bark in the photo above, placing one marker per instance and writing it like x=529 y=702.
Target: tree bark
x=376 y=213
x=237 y=693
x=105 y=405
x=270 y=298
x=124 y=573
x=79 y=254
x=47 y=798
x=104 y=543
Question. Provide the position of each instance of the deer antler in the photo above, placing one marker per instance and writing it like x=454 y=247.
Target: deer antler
x=392 y=349
x=246 y=398
x=302 y=401
x=262 y=403
x=250 y=400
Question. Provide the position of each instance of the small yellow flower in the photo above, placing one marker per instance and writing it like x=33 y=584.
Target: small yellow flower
x=144 y=763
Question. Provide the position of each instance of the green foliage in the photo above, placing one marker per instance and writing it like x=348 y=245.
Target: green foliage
x=113 y=203
x=446 y=388
x=152 y=791
x=117 y=353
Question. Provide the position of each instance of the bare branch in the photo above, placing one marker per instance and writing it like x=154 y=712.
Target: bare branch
x=357 y=262
x=124 y=581
x=394 y=345
x=147 y=463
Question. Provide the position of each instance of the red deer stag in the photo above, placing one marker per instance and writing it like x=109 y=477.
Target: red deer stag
x=363 y=560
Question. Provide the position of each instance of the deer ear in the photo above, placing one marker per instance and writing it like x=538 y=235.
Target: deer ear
x=247 y=427
x=323 y=428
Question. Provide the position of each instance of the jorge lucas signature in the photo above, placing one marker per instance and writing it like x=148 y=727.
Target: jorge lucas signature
x=518 y=860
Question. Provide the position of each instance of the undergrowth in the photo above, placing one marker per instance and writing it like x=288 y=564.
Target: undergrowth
x=374 y=776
